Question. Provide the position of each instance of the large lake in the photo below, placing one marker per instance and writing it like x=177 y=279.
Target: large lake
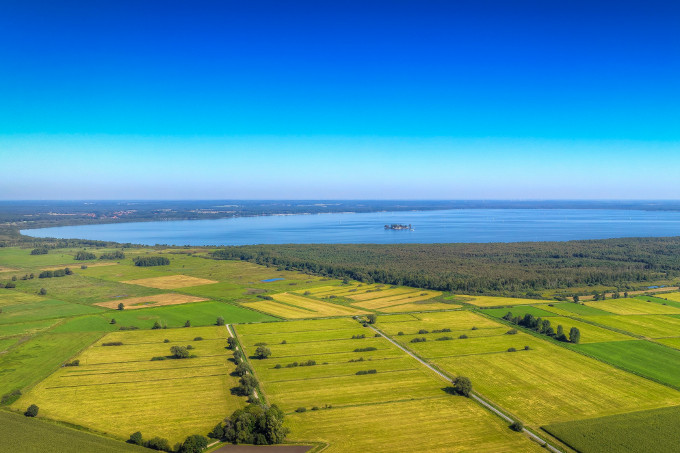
x=460 y=225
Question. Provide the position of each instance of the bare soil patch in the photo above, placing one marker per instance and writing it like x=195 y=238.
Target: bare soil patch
x=157 y=300
x=171 y=282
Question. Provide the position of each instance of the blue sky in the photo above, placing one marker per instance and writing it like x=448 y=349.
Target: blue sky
x=541 y=99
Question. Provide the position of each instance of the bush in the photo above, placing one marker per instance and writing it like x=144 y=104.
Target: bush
x=301 y=409
x=113 y=321
x=117 y=255
x=113 y=343
x=73 y=363
x=220 y=321
x=418 y=340
x=400 y=333
x=166 y=341
x=46 y=274
x=370 y=348
x=10 y=285
x=9 y=398
x=40 y=251
x=83 y=255
x=284 y=342
x=475 y=328
x=83 y=266
x=187 y=324
x=135 y=438
x=462 y=386
x=362 y=372
x=463 y=337
x=444 y=338
x=159 y=443
x=526 y=348
x=512 y=349
x=179 y=352
x=262 y=352
x=277 y=366
x=32 y=411
x=194 y=444
x=148 y=261
x=121 y=306
x=517 y=426
x=423 y=331
x=128 y=328
x=511 y=332
x=198 y=338
x=156 y=325
x=358 y=337
x=157 y=358
x=42 y=291
x=190 y=346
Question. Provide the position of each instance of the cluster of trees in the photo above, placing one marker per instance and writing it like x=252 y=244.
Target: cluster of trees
x=116 y=255
x=40 y=251
x=192 y=444
x=147 y=261
x=82 y=255
x=254 y=424
x=520 y=269
x=543 y=326
x=55 y=273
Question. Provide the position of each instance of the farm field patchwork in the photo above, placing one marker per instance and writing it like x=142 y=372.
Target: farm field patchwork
x=633 y=307
x=635 y=432
x=562 y=384
x=157 y=300
x=120 y=390
x=341 y=399
x=589 y=332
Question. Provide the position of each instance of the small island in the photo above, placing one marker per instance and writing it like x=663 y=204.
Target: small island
x=398 y=226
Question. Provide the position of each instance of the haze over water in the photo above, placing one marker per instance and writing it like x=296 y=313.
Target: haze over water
x=460 y=225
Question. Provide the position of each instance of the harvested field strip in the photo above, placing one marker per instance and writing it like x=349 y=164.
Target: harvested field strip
x=390 y=301
x=157 y=300
x=278 y=309
x=392 y=293
x=322 y=308
x=201 y=376
x=297 y=326
x=572 y=309
x=420 y=307
x=337 y=375
x=633 y=307
x=171 y=282
x=589 y=332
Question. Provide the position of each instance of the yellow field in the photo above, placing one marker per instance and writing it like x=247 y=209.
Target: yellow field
x=542 y=385
x=294 y=306
x=389 y=301
x=119 y=390
x=419 y=307
x=671 y=296
x=385 y=293
x=171 y=282
x=344 y=290
x=434 y=425
x=650 y=326
x=634 y=307
x=401 y=408
x=157 y=300
x=490 y=301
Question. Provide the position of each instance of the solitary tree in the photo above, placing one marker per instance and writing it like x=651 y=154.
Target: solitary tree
x=574 y=335
x=576 y=299
x=517 y=426
x=156 y=325
x=121 y=306
x=462 y=386
x=194 y=444
x=262 y=352
x=32 y=411
x=372 y=318
x=43 y=291
x=187 y=324
x=220 y=321
x=179 y=352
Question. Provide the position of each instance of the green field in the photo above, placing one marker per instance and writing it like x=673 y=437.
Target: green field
x=542 y=385
x=538 y=312
x=199 y=313
x=36 y=359
x=19 y=434
x=648 y=359
x=119 y=390
x=572 y=309
x=636 y=432
x=633 y=307
x=372 y=407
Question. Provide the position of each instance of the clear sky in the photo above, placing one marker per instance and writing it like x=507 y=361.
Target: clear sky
x=343 y=99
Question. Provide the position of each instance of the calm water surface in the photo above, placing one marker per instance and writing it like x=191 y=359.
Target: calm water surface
x=460 y=225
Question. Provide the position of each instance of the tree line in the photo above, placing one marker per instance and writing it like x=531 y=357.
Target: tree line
x=520 y=269
x=544 y=327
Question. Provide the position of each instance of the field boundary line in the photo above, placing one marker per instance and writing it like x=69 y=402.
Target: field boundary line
x=474 y=396
x=258 y=392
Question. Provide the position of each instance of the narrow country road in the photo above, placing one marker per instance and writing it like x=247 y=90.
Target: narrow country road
x=475 y=397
